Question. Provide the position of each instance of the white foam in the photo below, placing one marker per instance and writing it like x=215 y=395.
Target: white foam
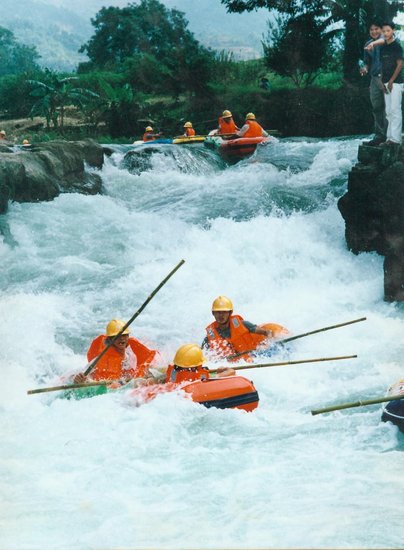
x=101 y=473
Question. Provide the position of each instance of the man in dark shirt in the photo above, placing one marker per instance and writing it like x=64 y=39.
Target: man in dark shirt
x=391 y=57
x=373 y=66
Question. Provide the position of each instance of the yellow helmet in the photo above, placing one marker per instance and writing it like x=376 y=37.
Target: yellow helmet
x=149 y=129
x=250 y=116
x=226 y=113
x=188 y=125
x=3 y=133
x=222 y=303
x=188 y=356
x=115 y=326
x=25 y=142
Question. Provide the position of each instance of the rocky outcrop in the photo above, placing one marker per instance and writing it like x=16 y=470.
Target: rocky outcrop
x=373 y=210
x=43 y=171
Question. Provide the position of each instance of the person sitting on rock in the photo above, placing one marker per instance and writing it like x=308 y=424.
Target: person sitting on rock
x=251 y=128
x=127 y=357
x=189 y=131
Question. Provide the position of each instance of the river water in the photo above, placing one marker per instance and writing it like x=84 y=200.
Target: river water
x=101 y=473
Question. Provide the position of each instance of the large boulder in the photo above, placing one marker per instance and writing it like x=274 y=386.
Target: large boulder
x=43 y=171
x=373 y=210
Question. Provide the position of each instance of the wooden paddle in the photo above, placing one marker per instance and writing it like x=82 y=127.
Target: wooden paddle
x=243 y=367
x=92 y=363
x=360 y=403
x=285 y=340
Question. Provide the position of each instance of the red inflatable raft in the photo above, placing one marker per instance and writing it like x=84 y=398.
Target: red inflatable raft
x=231 y=392
x=236 y=149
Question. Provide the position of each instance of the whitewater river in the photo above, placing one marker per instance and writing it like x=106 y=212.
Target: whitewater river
x=101 y=473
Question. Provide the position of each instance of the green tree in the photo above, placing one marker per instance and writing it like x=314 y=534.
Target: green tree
x=297 y=47
x=354 y=14
x=54 y=94
x=157 y=41
x=15 y=58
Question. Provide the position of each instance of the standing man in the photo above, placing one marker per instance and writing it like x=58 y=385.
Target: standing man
x=374 y=67
x=391 y=56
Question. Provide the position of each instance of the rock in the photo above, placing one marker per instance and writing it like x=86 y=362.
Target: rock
x=45 y=170
x=373 y=210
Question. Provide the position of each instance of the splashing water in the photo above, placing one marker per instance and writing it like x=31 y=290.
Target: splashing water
x=100 y=473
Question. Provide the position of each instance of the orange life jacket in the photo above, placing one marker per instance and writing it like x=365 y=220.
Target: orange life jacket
x=254 y=130
x=241 y=339
x=227 y=127
x=147 y=136
x=114 y=365
x=178 y=375
x=189 y=132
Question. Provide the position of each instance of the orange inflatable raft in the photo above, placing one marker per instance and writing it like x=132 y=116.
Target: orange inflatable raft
x=231 y=392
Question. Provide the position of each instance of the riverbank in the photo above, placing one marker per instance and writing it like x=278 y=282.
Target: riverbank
x=311 y=112
x=42 y=171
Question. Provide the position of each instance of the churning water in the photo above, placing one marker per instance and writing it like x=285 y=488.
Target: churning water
x=101 y=473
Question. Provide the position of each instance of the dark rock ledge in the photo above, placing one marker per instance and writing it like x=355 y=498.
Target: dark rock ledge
x=41 y=172
x=373 y=210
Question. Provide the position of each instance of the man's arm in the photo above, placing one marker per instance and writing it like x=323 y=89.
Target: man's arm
x=242 y=130
x=255 y=329
x=371 y=45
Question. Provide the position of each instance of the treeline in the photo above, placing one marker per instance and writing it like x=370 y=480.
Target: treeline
x=145 y=65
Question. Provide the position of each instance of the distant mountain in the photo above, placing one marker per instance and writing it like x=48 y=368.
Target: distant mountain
x=59 y=27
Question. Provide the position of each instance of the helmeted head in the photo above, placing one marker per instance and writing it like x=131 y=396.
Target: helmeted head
x=25 y=142
x=227 y=114
x=250 y=116
x=222 y=303
x=222 y=308
x=148 y=129
x=189 y=356
x=115 y=326
x=188 y=125
x=2 y=133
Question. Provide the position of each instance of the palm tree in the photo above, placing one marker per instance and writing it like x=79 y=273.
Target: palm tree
x=55 y=95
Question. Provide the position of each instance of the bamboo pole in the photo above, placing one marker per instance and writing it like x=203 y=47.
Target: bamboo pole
x=359 y=403
x=92 y=363
x=70 y=387
x=285 y=340
x=262 y=365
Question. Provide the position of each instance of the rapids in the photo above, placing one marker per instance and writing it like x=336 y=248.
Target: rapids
x=101 y=473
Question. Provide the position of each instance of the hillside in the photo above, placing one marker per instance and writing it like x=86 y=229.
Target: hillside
x=59 y=27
